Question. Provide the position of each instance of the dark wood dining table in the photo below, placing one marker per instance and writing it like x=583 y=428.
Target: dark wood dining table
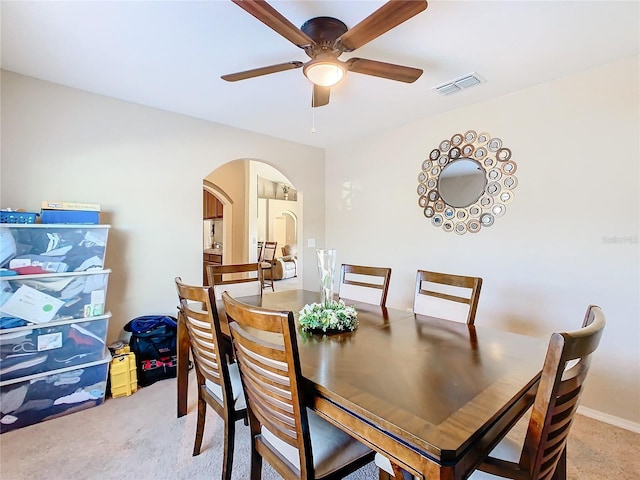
x=433 y=395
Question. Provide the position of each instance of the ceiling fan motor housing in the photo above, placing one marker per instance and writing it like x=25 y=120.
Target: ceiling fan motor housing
x=324 y=31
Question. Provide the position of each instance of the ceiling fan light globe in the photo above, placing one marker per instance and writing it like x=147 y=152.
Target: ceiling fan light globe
x=324 y=73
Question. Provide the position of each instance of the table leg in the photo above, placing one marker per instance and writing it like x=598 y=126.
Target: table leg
x=183 y=367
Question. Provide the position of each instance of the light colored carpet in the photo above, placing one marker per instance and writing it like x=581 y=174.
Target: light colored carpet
x=136 y=437
x=139 y=437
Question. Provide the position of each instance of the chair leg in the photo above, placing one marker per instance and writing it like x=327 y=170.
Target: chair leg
x=397 y=471
x=266 y=282
x=202 y=415
x=382 y=475
x=256 y=462
x=229 y=443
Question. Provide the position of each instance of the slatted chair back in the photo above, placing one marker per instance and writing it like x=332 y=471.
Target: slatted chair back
x=240 y=279
x=364 y=284
x=269 y=251
x=267 y=351
x=219 y=384
x=268 y=257
x=197 y=308
x=453 y=297
x=565 y=370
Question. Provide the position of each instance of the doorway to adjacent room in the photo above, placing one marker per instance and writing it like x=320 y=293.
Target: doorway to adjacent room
x=247 y=201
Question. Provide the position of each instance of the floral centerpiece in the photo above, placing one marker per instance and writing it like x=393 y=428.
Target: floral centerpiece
x=328 y=318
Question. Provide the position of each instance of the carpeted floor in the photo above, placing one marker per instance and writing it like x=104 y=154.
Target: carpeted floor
x=139 y=437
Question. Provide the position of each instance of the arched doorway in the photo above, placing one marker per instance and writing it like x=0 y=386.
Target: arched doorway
x=285 y=227
x=258 y=203
x=217 y=219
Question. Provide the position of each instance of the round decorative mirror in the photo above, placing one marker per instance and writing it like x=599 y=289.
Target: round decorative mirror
x=466 y=182
x=462 y=182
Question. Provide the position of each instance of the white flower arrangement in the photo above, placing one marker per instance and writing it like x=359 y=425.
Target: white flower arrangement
x=333 y=317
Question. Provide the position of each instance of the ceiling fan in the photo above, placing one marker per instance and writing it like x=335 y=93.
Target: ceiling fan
x=324 y=39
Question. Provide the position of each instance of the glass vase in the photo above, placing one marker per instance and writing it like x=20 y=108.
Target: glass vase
x=326 y=271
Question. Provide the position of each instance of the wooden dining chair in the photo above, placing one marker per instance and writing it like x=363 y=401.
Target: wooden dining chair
x=260 y=251
x=219 y=384
x=563 y=375
x=240 y=279
x=444 y=295
x=296 y=442
x=268 y=257
x=364 y=284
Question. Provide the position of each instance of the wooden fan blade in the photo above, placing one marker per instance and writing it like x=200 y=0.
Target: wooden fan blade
x=275 y=20
x=384 y=70
x=390 y=15
x=320 y=96
x=256 y=72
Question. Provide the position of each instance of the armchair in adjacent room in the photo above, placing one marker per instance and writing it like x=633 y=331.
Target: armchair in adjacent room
x=285 y=266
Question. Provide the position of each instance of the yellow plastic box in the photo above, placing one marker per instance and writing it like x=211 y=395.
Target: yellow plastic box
x=124 y=378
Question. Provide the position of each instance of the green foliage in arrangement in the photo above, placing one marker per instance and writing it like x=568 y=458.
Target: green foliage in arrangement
x=335 y=317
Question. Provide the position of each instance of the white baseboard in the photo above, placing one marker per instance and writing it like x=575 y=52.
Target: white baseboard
x=610 y=419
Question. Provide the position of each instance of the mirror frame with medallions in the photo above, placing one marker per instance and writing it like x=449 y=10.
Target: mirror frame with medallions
x=493 y=158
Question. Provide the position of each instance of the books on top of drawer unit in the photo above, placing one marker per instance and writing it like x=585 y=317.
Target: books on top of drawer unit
x=70 y=212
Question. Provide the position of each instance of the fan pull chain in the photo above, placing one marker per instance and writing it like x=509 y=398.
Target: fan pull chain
x=313 y=119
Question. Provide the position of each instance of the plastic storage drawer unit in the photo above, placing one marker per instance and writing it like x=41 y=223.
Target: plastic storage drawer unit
x=54 y=248
x=35 y=398
x=40 y=299
x=27 y=350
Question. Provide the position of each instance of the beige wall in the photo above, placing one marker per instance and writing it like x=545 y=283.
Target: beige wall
x=146 y=168
x=576 y=142
x=231 y=178
x=282 y=222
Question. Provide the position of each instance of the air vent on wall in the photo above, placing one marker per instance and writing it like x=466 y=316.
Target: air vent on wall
x=459 y=83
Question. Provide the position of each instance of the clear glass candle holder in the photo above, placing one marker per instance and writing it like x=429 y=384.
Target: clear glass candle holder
x=326 y=271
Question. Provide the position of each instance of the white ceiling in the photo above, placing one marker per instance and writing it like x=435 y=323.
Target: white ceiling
x=171 y=54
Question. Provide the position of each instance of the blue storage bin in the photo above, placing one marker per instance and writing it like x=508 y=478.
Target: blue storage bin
x=70 y=216
x=17 y=217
